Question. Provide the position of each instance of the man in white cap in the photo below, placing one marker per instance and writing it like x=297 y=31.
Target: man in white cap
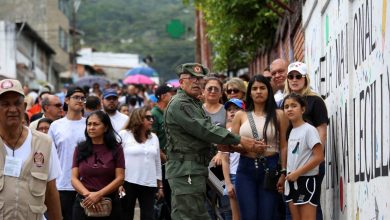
x=28 y=162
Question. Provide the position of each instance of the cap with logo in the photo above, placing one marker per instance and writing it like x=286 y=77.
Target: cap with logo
x=11 y=85
x=74 y=89
x=110 y=93
x=194 y=69
x=297 y=66
x=237 y=102
x=161 y=90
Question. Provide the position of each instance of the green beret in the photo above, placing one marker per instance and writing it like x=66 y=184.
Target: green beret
x=194 y=69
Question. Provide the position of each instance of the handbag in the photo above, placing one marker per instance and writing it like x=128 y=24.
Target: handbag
x=271 y=176
x=106 y=206
x=161 y=210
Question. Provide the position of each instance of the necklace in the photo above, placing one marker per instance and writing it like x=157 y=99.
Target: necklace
x=13 y=148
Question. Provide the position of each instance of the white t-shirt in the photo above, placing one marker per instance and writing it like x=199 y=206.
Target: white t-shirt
x=118 y=120
x=300 y=145
x=143 y=164
x=24 y=151
x=66 y=134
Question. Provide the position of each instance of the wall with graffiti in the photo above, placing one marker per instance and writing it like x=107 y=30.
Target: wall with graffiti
x=347 y=49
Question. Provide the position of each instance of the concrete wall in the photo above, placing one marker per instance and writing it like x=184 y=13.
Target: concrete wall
x=45 y=17
x=347 y=52
x=7 y=50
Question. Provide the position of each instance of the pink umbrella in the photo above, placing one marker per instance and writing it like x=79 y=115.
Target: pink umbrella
x=174 y=82
x=138 y=79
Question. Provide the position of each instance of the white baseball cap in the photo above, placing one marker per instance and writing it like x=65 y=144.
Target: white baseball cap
x=297 y=66
x=11 y=85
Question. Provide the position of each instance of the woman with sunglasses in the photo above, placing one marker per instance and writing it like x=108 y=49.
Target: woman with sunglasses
x=254 y=200
x=143 y=166
x=215 y=110
x=316 y=114
x=235 y=88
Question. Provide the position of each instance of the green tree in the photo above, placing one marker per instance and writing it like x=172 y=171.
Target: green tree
x=237 y=29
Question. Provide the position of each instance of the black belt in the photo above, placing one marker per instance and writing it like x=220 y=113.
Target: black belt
x=202 y=159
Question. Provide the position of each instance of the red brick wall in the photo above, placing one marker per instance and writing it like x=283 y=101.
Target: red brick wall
x=289 y=42
x=299 y=44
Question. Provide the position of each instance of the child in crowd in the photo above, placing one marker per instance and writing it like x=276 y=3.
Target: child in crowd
x=230 y=160
x=305 y=153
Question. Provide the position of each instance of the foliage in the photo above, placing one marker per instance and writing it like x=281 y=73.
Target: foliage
x=139 y=26
x=237 y=29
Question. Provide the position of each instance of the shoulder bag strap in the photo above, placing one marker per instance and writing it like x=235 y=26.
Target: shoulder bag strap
x=253 y=125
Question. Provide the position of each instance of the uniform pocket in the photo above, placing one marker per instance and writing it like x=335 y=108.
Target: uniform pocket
x=35 y=212
x=38 y=183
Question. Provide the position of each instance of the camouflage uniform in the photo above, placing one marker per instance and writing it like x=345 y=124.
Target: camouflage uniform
x=190 y=135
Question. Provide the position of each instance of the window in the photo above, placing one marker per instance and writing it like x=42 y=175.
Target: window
x=63 y=39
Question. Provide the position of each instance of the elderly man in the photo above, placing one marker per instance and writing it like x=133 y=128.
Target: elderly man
x=278 y=69
x=52 y=109
x=190 y=135
x=28 y=162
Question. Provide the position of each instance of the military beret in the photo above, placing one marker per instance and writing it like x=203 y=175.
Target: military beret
x=195 y=69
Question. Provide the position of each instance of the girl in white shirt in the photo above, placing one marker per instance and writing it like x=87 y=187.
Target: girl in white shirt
x=305 y=153
x=143 y=165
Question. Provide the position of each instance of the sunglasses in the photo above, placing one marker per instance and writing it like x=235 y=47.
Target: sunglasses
x=213 y=88
x=58 y=105
x=298 y=76
x=149 y=117
x=194 y=78
x=232 y=91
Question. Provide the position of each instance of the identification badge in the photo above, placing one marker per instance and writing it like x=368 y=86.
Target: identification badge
x=12 y=166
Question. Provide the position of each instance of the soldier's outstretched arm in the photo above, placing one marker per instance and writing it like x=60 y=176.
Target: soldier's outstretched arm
x=201 y=127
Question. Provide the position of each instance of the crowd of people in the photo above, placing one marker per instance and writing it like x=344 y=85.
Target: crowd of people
x=83 y=146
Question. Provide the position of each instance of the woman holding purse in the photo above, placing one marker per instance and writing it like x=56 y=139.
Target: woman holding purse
x=262 y=121
x=98 y=170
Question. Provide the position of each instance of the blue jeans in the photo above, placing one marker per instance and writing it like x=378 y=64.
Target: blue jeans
x=253 y=200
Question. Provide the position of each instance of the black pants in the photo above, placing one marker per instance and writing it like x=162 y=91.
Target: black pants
x=145 y=196
x=79 y=214
x=67 y=199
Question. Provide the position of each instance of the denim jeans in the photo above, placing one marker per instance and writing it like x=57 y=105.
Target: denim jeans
x=253 y=200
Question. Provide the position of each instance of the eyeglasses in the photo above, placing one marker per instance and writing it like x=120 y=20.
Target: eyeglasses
x=213 y=88
x=78 y=98
x=43 y=129
x=149 y=117
x=298 y=76
x=194 y=78
x=58 y=105
x=232 y=91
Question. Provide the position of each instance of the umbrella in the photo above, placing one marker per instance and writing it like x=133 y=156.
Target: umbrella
x=138 y=79
x=174 y=82
x=143 y=70
x=90 y=80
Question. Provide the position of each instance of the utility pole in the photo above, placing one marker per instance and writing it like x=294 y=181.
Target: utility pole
x=75 y=7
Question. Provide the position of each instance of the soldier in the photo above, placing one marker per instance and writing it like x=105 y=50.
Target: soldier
x=190 y=135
